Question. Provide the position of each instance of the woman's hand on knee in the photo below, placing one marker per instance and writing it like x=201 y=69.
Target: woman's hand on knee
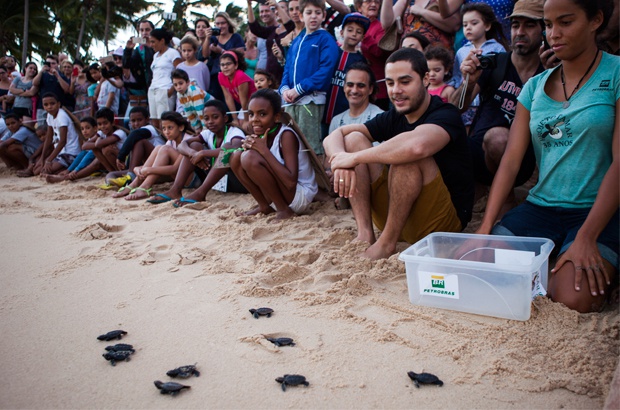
x=586 y=258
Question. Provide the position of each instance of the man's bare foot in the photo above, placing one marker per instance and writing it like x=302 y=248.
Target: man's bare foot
x=25 y=173
x=256 y=211
x=376 y=251
x=52 y=179
x=286 y=214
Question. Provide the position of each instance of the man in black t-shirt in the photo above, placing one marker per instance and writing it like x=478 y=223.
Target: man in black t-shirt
x=499 y=88
x=419 y=179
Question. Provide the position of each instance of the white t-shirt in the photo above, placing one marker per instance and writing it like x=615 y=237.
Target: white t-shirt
x=345 y=118
x=233 y=132
x=156 y=139
x=62 y=119
x=162 y=67
x=104 y=92
x=119 y=133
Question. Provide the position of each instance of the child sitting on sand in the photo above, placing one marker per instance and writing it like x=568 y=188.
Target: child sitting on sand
x=19 y=144
x=275 y=168
x=197 y=157
x=164 y=161
x=108 y=141
x=85 y=163
x=61 y=134
x=137 y=147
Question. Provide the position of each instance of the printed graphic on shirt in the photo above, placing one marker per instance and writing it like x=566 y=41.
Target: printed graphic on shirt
x=506 y=95
x=555 y=131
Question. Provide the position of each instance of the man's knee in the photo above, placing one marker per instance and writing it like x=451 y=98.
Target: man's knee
x=495 y=141
x=356 y=141
x=425 y=169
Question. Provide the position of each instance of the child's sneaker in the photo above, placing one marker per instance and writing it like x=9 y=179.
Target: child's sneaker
x=121 y=181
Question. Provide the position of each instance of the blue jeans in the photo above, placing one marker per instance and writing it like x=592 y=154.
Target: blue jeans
x=560 y=225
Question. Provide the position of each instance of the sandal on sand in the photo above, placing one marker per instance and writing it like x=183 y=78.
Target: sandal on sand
x=159 y=199
x=183 y=201
x=121 y=181
x=135 y=194
x=106 y=186
x=126 y=190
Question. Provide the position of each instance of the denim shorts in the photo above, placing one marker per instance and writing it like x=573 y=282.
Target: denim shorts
x=560 y=225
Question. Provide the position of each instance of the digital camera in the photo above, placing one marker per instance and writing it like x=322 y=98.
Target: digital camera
x=487 y=61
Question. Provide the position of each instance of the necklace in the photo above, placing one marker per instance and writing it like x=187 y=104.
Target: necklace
x=566 y=103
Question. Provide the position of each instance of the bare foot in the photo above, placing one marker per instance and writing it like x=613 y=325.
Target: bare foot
x=256 y=211
x=342 y=203
x=25 y=173
x=376 y=251
x=52 y=179
x=286 y=214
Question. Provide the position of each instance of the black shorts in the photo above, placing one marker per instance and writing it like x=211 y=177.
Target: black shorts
x=22 y=112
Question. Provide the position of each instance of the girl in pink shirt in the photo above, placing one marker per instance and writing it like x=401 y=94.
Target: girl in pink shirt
x=236 y=85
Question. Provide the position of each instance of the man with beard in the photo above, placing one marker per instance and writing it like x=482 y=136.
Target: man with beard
x=419 y=179
x=499 y=88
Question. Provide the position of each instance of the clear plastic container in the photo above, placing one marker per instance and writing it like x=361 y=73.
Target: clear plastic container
x=482 y=274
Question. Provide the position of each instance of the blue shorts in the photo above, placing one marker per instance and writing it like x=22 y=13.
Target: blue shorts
x=560 y=225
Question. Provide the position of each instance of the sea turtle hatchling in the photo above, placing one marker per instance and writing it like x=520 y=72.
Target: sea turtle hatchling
x=281 y=341
x=292 y=380
x=114 y=334
x=120 y=347
x=184 y=371
x=264 y=311
x=118 y=356
x=170 y=388
x=424 y=378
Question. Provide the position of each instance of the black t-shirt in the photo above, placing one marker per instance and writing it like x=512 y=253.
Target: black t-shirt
x=454 y=160
x=50 y=84
x=499 y=109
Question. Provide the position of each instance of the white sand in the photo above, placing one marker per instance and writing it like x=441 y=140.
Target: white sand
x=77 y=263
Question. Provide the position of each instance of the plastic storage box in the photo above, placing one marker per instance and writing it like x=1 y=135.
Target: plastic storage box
x=482 y=274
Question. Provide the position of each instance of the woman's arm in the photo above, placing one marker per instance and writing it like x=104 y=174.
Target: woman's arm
x=449 y=7
x=230 y=102
x=584 y=250
x=244 y=95
x=518 y=141
x=450 y=24
x=110 y=100
x=389 y=12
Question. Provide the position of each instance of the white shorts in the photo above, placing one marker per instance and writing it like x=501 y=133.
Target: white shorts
x=301 y=201
x=159 y=102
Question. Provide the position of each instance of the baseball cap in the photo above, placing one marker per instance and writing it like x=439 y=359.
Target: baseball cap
x=356 y=18
x=531 y=9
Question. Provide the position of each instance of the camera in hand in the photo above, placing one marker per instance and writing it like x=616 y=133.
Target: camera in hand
x=487 y=61
x=216 y=31
x=110 y=70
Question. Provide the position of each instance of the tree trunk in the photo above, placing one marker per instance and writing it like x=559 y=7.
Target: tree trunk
x=107 y=24
x=25 y=37
x=82 y=28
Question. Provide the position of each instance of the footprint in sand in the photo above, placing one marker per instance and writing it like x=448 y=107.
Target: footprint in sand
x=99 y=231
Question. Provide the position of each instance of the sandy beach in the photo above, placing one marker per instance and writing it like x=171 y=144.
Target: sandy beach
x=77 y=263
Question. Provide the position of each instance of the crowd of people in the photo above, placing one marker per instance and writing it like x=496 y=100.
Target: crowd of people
x=409 y=108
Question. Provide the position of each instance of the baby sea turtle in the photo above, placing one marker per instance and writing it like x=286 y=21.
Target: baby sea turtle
x=282 y=341
x=184 y=371
x=118 y=356
x=424 y=378
x=264 y=311
x=292 y=380
x=170 y=388
x=120 y=347
x=114 y=334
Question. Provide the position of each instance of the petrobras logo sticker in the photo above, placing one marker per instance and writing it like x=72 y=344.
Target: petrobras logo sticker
x=440 y=285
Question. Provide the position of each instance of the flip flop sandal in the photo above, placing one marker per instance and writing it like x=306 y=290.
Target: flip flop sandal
x=184 y=201
x=159 y=199
x=134 y=190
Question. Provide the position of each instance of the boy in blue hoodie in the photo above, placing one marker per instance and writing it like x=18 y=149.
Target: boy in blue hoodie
x=310 y=64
